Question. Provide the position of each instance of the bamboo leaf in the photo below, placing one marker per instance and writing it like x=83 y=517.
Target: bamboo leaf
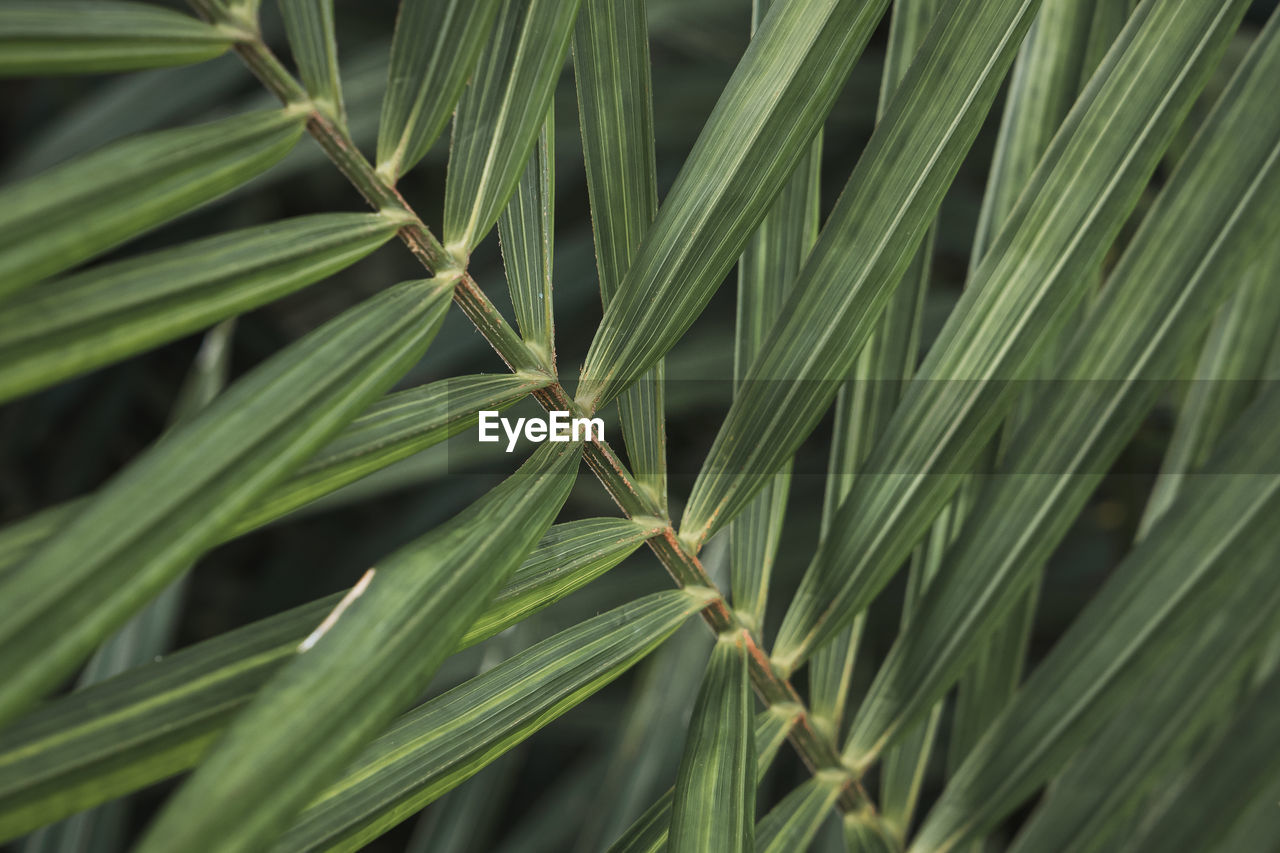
x=1226 y=378
x=713 y=807
x=104 y=741
x=436 y=46
x=864 y=833
x=792 y=823
x=615 y=112
x=1212 y=554
x=53 y=221
x=84 y=321
x=648 y=834
x=146 y=636
x=78 y=37
x=394 y=428
x=761 y=127
x=376 y=651
x=1115 y=770
x=500 y=114
x=309 y=27
x=863 y=251
x=1087 y=183
x=442 y=743
x=766 y=271
x=1195 y=242
x=525 y=231
x=1240 y=774
x=125 y=545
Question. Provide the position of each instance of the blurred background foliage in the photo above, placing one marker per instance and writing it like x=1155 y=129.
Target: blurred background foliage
x=617 y=751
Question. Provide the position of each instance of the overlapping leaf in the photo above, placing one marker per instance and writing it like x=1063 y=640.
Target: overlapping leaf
x=442 y=743
x=793 y=822
x=72 y=325
x=365 y=663
x=525 y=230
x=125 y=545
x=500 y=114
x=615 y=109
x=436 y=45
x=39 y=37
x=1211 y=555
x=53 y=221
x=761 y=127
x=1181 y=265
x=1078 y=198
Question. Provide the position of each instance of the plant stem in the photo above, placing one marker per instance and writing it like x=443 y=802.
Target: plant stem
x=817 y=751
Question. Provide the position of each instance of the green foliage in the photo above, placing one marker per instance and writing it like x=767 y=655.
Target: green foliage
x=1126 y=240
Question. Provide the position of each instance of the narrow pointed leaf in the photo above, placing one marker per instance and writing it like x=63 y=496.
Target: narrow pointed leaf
x=766 y=272
x=439 y=745
x=648 y=834
x=1115 y=770
x=53 y=221
x=792 y=823
x=309 y=26
x=615 y=110
x=72 y=325
x=436 y=46
x=1193 y=247
x=126 y=545
x=77 y=37
x=862 y=253
x=1213 y=553
x=713 y=807
x=864 y=833
x=525 y=230
x=378 y=649
x=105 y=741
x=500 y=114
x=1226 y=378
x=394 y=428
x=1079 y=197
x=1240 y=773
x=761 y=127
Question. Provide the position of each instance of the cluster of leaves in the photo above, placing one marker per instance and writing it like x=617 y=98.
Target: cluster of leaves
x=1152 y=721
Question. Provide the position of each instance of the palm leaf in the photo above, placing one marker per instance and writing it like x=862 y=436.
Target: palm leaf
x=792 y=823
x=525 y=231
x=309 y=26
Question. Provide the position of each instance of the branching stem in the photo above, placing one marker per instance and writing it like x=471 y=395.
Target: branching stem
x=817 y=751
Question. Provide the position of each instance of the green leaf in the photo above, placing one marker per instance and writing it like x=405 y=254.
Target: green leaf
x=1115 y=771
x=72 y=325
x=1194 y=244
x=105 y=741
x=792 y=823
x=53 y=221
x=1226 y=378
x=615 y=112
x=500 y=115
x=713 y=807
x=39 y=37
x=309 y=27
x=442 y=743
x=394 y=428
x=862 y=253
x=1088 y=181
x=365 y=663
x=1212 y=556
x=1238 y=776
x=649 y=832
x=766 y=271
x=525 y=232
x=145 y=637
x=864 y=833
x=761 y=127
x=436 y=46
x=125 y=545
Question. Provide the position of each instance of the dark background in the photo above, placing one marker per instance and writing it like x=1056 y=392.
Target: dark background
x=605 y=761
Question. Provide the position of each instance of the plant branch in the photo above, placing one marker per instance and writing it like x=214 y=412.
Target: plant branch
x=817 y=751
